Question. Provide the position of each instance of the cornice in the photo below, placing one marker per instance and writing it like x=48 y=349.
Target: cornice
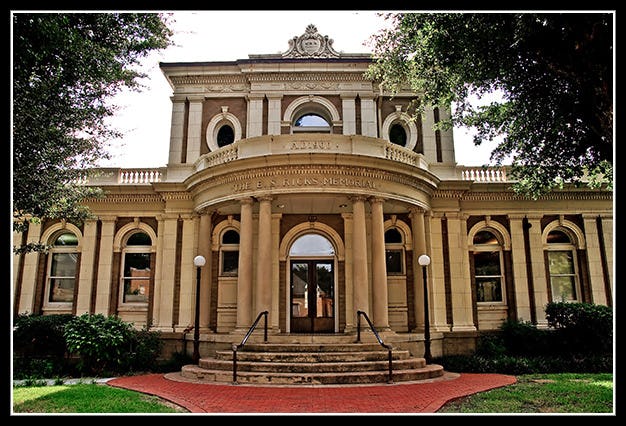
x=466 y=195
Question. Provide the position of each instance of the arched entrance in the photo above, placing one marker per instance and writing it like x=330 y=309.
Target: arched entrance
x=312 y=285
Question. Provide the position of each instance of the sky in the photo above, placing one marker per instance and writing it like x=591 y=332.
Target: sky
x=144 y=117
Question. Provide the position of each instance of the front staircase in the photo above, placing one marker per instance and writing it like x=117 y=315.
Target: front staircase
x=312 y=360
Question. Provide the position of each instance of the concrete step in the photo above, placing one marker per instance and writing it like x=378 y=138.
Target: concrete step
x=310 y=347
x=196 y=373
x=324 y=356
x=312 y=367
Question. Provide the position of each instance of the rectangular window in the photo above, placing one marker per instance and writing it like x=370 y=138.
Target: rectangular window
x=394 y=262
x=136 y=277
x=62 y=277
x=562 y=275
x=230 y=262
x=488 y=276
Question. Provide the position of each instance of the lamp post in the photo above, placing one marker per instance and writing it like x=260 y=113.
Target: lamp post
x=199 y=262
x=424 y=261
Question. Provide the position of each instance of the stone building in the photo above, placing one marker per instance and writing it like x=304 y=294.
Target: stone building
x=311 y=193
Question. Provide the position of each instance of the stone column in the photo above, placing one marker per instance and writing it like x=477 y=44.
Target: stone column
x=359 y=256
x=380 y=296
x=194 y=129
x=105 y=266
x=348 y=237
x=176 y=130
x=164 y=303
x=187 y=292
x=518 y=255
x=273 y=114
x=204 y=249
x=447 y=142
x=419 y=248
x=607 y=238
x=275 y=311
x=255 y=115
x=596 y=276
x=538 y=269
x=462 y=307
x=244 y=279
x=433 y=224
x=348 y=107
x=264 y=257
x=368 y=115
x=88 y=252
x=430 y=143
x=29 y=275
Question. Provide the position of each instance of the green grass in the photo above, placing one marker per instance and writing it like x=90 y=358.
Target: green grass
x=85 y=398
x=542 y=393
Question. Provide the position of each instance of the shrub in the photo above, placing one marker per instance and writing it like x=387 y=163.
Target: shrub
x=39 y=348
x=101 y=342
x=143 y=349
x=582 y=327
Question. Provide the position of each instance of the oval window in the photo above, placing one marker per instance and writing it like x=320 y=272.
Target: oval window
x=225 y=136
x=397 y=134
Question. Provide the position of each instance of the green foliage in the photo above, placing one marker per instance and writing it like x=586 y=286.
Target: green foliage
x=39 y=348
x=144 y=348
x=101 y=342
x=65 y=68
x=579 y=340
x=582 y=327
x=554 y=71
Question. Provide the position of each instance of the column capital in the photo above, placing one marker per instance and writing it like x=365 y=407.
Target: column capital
x=416 y=211
x=348 y=95
x=255 y=96
x=377 y=199
x=265 y=198
x=357 y=197
x=246 y=200
x=274 y=96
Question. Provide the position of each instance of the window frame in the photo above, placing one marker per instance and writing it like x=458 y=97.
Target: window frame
x=73 y=249
x=227 y=247
x=484 y=248
x=398 y=248
x=563 y=247
x=132 y=249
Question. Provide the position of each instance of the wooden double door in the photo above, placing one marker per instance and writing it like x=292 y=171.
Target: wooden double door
x=312 y=296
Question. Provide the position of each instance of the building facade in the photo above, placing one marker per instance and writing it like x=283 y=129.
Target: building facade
x=311 y=193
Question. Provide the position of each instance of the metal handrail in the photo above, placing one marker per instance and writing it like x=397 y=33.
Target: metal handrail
x=383 y=344
x=245 y=339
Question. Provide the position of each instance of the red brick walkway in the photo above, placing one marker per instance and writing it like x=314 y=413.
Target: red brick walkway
x=410 y=397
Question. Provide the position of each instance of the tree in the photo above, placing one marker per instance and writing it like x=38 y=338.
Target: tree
x=555 y=71
x=65 y=68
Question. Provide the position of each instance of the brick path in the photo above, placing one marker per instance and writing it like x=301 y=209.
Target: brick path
x=410 y=397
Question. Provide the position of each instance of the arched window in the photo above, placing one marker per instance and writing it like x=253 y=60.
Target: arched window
x=229 y=253
x=136 y=272
x=62 y=268
x=561 y=256
x=394 y=251
x=312 y=245
x=311 y=123
x=489 y=280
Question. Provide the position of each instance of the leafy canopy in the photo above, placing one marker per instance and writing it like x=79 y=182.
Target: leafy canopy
x=555 y=71
x=65 y=68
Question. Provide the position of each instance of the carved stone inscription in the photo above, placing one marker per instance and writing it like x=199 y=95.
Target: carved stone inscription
x=304 y=182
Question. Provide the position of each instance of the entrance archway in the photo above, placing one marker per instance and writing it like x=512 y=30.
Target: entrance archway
x=312 y=284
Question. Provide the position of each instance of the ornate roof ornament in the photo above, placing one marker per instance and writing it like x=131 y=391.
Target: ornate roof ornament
x=311 y=44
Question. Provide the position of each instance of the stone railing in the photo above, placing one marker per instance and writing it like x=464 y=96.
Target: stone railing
x=118 y=176
x=311 y=143
x=484 y=174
